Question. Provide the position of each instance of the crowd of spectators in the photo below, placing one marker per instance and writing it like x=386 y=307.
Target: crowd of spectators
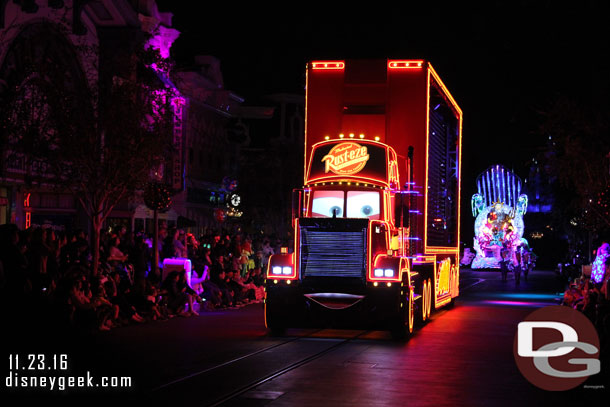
x=590 y=294
x=46 y=270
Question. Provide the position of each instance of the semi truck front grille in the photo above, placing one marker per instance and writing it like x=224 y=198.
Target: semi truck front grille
x=332 y=253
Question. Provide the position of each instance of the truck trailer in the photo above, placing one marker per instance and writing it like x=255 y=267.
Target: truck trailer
x=377 y=221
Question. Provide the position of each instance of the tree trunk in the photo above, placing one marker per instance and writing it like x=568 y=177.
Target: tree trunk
x=155 y=260
x=95 y=244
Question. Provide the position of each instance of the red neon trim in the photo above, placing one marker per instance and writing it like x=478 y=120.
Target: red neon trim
x=328 y=65
x=446 y=267
x=28 y=219
x=297 y=245
x=271 y=276
x=340 y=178
x=441 y=250
x=417 y=64
x=427 y=163
x=443 y=89
x=372 y=262
x=354 y=178
x=396 y=279
x=366 y=140
x=305 y=169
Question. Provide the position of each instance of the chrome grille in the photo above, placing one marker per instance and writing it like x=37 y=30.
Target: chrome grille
x=331 y=253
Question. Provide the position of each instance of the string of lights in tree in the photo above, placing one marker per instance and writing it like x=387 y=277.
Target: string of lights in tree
x=603 y=201
x=157 y=196
x=595 y=213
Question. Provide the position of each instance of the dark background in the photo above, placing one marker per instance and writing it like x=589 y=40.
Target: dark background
x=504 y=62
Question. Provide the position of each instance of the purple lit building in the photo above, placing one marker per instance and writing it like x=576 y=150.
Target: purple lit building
x=43 y=43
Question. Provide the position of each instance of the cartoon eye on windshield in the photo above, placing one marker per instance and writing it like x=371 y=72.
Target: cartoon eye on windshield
x=363 y=204
x=327 y=204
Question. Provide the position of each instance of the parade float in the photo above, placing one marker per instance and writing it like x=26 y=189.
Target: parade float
x=498 y=208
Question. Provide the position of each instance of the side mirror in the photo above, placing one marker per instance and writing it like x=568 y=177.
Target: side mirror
x=298 y=197
x=401 y=209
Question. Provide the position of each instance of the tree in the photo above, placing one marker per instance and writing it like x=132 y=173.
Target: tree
x=101 y=145
x=576 y=157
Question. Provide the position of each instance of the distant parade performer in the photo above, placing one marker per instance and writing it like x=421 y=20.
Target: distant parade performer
x=506 y=263
x=600 y=267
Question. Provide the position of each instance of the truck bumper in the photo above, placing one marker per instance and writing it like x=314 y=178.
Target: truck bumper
x=368 y=306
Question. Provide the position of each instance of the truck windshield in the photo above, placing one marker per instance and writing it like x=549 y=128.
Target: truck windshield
x=360 y=204
x=327 y=204
x=363 y=204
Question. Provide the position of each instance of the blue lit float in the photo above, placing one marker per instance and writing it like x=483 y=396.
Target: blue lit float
x=498 y=208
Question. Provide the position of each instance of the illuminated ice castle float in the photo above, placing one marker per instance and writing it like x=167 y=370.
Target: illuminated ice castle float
x=498 y=208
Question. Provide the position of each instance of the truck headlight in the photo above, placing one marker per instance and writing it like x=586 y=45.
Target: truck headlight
x=276 y=270
x=287 y=270
x=388 y=273
x=378 y=273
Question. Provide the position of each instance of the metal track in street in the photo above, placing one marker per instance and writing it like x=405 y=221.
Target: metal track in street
x=185 y=378
x=195 y=378
x=285 y=370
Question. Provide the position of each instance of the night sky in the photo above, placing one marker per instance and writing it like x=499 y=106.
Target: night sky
x=503 y=62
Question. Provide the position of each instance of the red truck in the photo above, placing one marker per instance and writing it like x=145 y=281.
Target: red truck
x=376 y=224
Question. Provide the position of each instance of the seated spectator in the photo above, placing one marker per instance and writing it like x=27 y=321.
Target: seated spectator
x=236 y=288
x=192 y=295
x=118 y=291
x=177 y=296
x=106 y=312
x=147 y=300
x=89 y=311
x=254 y=283
x=138 y=257
x=244 y=260
x=219 y=278
x=179 y=244
x=116 y=257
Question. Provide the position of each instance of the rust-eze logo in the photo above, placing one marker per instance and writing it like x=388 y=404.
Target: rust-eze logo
x=346 y=158
x=556 y=348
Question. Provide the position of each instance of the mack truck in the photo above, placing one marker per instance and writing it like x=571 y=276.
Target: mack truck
x=377 y=221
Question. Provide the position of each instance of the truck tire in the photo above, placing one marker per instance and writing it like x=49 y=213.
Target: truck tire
x=275 y=326
x=276 y=330
x=404 y=326
x=425 y=307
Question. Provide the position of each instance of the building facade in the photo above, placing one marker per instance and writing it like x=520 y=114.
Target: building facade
x=45 y=44
x=80 y=38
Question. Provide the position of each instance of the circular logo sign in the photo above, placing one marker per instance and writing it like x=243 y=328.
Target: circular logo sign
x=556 y=348
x=346 y=158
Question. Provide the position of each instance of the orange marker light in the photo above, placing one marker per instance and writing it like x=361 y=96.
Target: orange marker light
x=405 y=64
x=336 y=65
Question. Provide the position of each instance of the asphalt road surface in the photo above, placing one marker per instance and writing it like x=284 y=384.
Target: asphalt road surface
x=462 y=357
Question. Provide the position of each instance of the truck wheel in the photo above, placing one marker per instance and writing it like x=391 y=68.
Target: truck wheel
x=276 y=330
x=274 y=325
x=426 y=301
x=404 y=325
